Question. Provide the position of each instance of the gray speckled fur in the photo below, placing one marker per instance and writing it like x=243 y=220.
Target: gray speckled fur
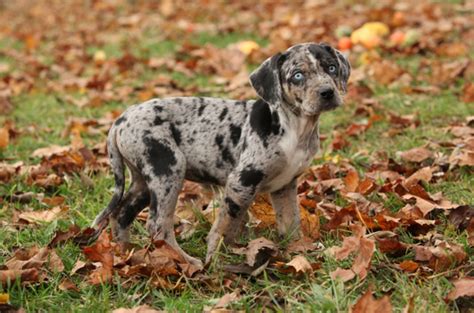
x=245 y=146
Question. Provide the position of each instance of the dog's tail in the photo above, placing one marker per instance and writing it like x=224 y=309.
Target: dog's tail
x=118 y=168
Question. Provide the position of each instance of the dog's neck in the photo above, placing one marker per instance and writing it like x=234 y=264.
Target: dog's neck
x=306 y=127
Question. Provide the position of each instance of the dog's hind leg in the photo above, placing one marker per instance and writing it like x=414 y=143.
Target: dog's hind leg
x=134 y=201
x=118 y=168
x=165 y=178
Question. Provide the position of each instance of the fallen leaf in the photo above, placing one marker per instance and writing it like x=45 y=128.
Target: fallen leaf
x=26 y=275
x=101 y=252
x=4 y=137
x=45 y=216
x=364 y=249
x=408 y=266
x=227 y=299
x=416 y=155
x=66 y=285
x=139 y=309
x=342 y=274
x=300 y=265
x=60 y=236
x=259 y=250
x=368 y=304
x=463 y=287
x=351 y=180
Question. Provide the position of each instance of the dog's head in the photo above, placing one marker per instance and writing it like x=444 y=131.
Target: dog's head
x=309 y=77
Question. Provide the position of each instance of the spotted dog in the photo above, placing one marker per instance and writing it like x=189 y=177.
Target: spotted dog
x=247 y=147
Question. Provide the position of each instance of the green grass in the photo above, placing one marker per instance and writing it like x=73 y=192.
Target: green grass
x=48 y=116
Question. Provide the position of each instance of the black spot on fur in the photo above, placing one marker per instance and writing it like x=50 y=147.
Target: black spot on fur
x=275 y=123
x=120 y=120
x=178 y=100
x=201 y=106
x=219 y=141
x=227 y=156
x=167 y=190
x=225 y=153
x=176 y=134
x=234 y=208
x=153 y=204
x=251 y=177
x=235 y=132
x=158 y=109
x=132 y=208
x=158 y=121
x=160 y=156
x=223 y=114
x=262 y=121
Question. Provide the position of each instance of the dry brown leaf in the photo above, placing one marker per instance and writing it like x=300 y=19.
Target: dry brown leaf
x=4 y=137
x=425 y=174
x=463 y=287
x=351 y=180
x=468 y=92
x=259 y=250
x=368 y=304
x=50 y=151
x=342 y=274
x=101 y=252
x=45 y=216
x=416 y=155
x=26 y=275
x=262 y=210
x=66 y=284
x=227 y=299
x=28 y=258
x=139 y=309
x=60 y=236
x=309 y=223
x=408 y=266
x=300 y=265
x=364 y=249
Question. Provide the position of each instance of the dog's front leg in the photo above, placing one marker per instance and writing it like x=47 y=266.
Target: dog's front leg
x=232 y=215
x=285 y=203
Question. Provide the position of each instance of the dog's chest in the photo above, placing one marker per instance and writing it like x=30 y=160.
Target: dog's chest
x=297 y=156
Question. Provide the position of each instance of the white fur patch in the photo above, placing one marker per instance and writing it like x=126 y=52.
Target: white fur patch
x=297 y=160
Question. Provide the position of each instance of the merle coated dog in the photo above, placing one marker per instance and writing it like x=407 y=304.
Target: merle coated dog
x=245 y=146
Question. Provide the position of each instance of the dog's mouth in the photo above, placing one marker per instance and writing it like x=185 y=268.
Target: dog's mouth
x=330 y=105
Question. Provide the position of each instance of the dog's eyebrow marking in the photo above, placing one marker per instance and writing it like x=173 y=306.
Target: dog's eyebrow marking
x=161 y=166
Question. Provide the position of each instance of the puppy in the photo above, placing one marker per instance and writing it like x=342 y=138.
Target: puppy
x=247 y=147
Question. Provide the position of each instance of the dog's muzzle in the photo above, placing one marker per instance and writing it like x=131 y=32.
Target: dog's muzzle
x=328 y=98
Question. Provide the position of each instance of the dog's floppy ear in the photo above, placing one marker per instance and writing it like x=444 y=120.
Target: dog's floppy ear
x=266 y=79
x=344 y=70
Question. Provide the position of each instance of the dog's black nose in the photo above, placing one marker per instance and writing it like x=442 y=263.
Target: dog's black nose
x=327 y=93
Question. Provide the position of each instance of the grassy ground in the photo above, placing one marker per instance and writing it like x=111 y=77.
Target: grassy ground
x=272 y=289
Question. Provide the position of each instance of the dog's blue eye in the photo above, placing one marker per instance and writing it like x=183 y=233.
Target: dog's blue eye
x=332 y=69
x=298 y=77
